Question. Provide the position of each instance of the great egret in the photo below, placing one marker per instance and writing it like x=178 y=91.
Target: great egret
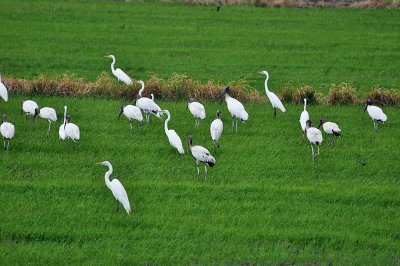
x=330 y=128
x=276 y=103
x=7 y=130
x=173 y=138
x=304 y=117
x=46 y=113
x=197 y=110
x=71 y=132
x=29 y=108
x=116 y=188
x=147 y=105
x=314 y=136
x=375 y=113
x=61 y=131
x=216 y=129
x=201 y=155
x=3 y=91
x=132 y=113
x=121 y=75
x=235 y=108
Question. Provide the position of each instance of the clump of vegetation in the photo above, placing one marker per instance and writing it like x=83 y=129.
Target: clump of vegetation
x=297 y=95
x=343 y=94
x=382 y=96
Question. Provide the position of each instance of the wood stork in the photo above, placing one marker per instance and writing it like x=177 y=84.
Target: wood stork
x=121 y=75
x=71 y=132
x=132 y=112
x=197 y=110
x=29 y=108
x=314 y=136
x=147 y=105
x=46 y=113
x=61 y=131
x=235 y=108
x=375 y=113
x=7 y=130
x=201 y=155
x=116 y=188
x=3 y=91
x=330 y=128
x=173 y=138
x=275 y=102
x=304 y=117
x=216 y=129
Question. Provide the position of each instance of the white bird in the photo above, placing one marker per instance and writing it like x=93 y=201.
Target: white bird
x=235 y=108
x=116 y=188
x=147 y=105
x=173 y=138
x=61 y=131
x=197 y=110
x=29 y=108
x=7 y=130
x=201 y=155
x=3 y=91
x=304 y=117
x=330 y=128
x=132 y=113
x=71 y=131
x=276 y=103
x=375 y=113
x=216 y=128
x=314 y=136
x=47 y=113
x=121 y=75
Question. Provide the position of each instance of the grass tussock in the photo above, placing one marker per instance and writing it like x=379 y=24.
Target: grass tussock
x=343 y=94
x=297 y=95
x=382 y=96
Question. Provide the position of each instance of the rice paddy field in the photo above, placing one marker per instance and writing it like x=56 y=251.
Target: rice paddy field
x=264 y=202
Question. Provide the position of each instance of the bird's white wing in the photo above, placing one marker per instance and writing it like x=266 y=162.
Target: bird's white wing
x=330 y=126
x=61 y=132
x=146 y=104
x=121 y=75
x=303 y=119
x=236 y=108
x=72 y=131
x=175 y=141
x=197 y=110
x=3 y=92
x=203 y=155
x=48 y=113
x=276 y=103
x=119 y=193
x=376 y=113
x=314 y=135
x=216 y=129
x=133 y=112
x=7 y=130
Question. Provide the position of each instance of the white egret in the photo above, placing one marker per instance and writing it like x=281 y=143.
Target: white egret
x=216 y=129
x=132 y=113
x=235 y=108
x=121 y=75
x=3 y=91
x=173 y=138
x=61 y=131
x=197 y=110
x=147 y=105
x=201 y=155
x=29 y=108
x=330 y=128
x=304 y=117
x=7 y=130
x=71 y=132
x=46 y=113
x=275 y=102
x=314 y=136
x=375 y=113
x=116 y=188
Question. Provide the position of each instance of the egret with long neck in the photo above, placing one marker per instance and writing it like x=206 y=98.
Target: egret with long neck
x=173 y=138
x=118 y=73
x=275 y=102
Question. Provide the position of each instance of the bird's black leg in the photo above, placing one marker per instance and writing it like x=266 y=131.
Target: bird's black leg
x=4 y=140
x=117 y=207
x=233 y=124
x=274 y=112
x=74 y=146
x=237 y=121
x=69 y=145
x=140 y=130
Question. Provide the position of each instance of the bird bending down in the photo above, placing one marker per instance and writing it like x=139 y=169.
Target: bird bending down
x=7 y=130
x=118 y=73
x=61 y=131
x=3 y=91
x=71 y=132
x=116 y=188
x=147 y=105
x=201 y=155
x=216 y=128
x=46 y=113
x=375 y=113
x=314 y=136
x=29 y=108
x=330 y=128
x=197 y=110
x=132 y=113
x=304 y=117
x=173 y=138
x=235 y=108
x=275 y=102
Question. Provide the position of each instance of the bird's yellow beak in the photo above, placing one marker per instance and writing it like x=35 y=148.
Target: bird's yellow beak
x=99 y=163
x=260 y=72
x=106 y=56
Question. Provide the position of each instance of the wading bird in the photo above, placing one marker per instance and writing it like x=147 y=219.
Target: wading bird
x=235 y=108
x=46 y=113
x=314 y=136
x=375 y=113
x=275 y=102
x=3 y=91
x=173 y=138
x=132 y=113
x=197 y=110
x=147 y=105
x=201 y=155
x=304 y=117
x=121 y=75
x=71 y=132
x=330 y=128
x=116 y=188
x=216 y=129
x=29 y=108
x=7 y=130
x=61 y=131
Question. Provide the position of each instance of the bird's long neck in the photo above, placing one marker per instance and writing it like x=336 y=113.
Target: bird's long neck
x=65 y=114
x=112 y=65
x=166 y=123
x=141 y=90
x=305 y=105
x=266 y=83
x=107 y=176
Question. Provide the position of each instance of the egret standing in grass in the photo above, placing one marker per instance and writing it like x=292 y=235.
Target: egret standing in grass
x=132 y=113
x=216 y=129
x=235 y=108
x=7 y=130
x=147 y=105
x=330 y=128
x=121 y=75
x=116 y=188
x=46 y=113
x=314 y=136
x=304 y=117
x=376 y=113
x=71 y=132
x=275 y=102
x=61 y=131
x=3 y=91
x=29 y=108
x=197 y=110
x=201 y=155
x=173 y=138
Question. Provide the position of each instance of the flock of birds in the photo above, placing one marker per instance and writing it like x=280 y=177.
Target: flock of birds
x=148 y=106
